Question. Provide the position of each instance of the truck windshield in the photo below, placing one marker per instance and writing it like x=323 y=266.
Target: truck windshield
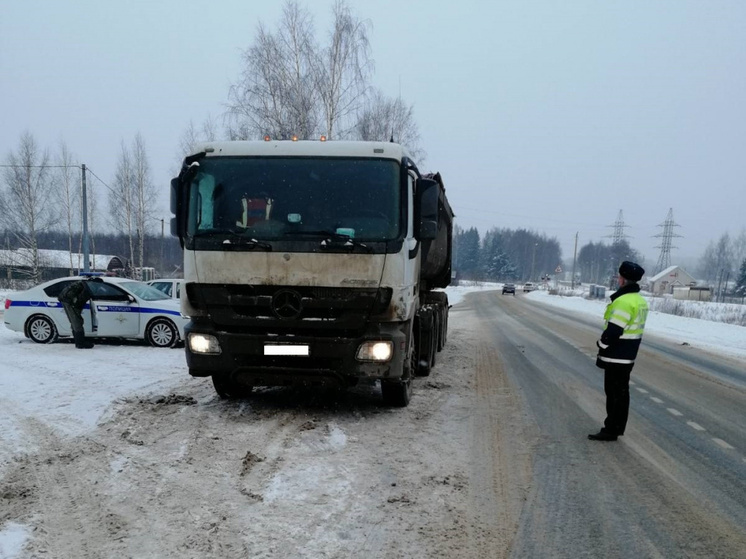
x=279 y=197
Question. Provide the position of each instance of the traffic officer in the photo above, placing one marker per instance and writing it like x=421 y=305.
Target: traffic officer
x=617 y=349
x=73 y=299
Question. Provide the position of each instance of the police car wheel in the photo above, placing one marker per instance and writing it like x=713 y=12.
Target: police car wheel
x=41 y=329
x=162 y=333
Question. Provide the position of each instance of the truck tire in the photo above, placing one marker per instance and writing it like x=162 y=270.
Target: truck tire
x=444 y=331
x=424 y=325
x=398 y=392
x=440 y=300
x=229 y=389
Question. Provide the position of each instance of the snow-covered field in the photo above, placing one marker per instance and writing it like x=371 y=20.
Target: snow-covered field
x=711 y=333
x=66 y=391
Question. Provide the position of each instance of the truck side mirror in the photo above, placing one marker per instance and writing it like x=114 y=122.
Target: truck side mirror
x=178 y=222
x=426 y=209
x=174 y=195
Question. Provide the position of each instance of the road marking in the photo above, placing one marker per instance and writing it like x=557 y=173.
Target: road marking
x=695 y=426
x=677 y=413
x=641 y=390
x=656 y=400
x=722 y=443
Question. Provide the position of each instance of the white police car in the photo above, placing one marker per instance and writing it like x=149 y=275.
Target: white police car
x=171 y=287
x=124 y=308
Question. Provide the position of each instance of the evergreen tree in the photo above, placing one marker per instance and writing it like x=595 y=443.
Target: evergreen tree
x=468 y=253
x=496 y=264
x=741 y=280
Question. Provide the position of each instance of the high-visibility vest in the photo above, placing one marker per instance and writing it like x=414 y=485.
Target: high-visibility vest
x=629 y=312
x=253 y=210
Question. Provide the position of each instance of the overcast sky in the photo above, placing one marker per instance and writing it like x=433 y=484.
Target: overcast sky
x=548 y=115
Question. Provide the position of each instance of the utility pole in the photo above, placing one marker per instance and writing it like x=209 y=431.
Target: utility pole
x=86 y=250
x=574 y=260
x=162 y=235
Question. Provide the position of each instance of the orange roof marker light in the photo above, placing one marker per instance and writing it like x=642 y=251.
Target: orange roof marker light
x=323 y=138
x=267 y=138
x=295 y=137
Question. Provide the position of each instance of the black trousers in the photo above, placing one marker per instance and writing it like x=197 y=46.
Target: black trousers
x=75 y=316
x=616 y=387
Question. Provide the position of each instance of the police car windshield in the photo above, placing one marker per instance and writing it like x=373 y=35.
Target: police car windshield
x=144 y=291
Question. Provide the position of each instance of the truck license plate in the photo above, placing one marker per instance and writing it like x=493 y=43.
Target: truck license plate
x=286 y=349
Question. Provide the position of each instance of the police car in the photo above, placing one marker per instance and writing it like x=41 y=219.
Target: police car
x=171 y=287
x=124 y=308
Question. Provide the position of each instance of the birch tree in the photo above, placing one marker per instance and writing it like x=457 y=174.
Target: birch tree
x=275 y=94
x=384 y=119
x=145 y=195
x=27 y=209
x=193 y=135
x=133 y=198
x=122 y=197
x=67 y=189
x=343 y=70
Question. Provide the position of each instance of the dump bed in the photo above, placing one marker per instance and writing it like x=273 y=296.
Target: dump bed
x=435 y=270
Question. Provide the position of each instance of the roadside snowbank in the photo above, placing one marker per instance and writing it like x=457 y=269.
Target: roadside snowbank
x=729 y=339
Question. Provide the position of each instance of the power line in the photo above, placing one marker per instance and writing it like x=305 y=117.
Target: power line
x=99 y=180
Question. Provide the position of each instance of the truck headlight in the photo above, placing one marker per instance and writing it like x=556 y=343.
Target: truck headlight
x=203 y=343
x=375 y=351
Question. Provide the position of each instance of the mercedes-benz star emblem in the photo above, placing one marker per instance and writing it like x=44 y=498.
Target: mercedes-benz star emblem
x=286 y=304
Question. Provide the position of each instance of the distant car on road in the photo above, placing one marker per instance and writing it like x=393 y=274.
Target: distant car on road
x=508 y=288
x=125 y=308
x=528 y=286
x=171 y=287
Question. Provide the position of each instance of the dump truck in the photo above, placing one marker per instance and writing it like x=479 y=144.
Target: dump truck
x=312 y=263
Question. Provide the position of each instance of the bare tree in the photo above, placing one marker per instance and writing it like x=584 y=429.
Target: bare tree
x=343 y=69
x=275 y=94
x=145 y=195
x=27 y=209
x=67 y=190
x=191 y=136
x=717 y=258
x=384 y=119
x=122 y=199
x=739 y=247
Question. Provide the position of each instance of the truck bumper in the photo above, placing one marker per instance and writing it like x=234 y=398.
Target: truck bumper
x=330 y=360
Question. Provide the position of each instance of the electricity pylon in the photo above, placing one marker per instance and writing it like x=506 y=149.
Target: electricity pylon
x=619 y=235
x=664 y=260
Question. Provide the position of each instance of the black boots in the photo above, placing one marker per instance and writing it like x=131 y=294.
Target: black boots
x=603 y=435
x=81 y=342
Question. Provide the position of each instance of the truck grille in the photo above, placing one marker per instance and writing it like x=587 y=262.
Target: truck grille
x=301 y=310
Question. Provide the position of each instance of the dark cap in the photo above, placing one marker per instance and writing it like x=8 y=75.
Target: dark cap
x=631 y=271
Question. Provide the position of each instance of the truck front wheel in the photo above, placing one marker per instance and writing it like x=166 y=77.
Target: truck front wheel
x=229 y=389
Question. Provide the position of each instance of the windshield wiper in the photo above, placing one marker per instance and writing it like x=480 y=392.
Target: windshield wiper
x=236 y=239
x=331 y=239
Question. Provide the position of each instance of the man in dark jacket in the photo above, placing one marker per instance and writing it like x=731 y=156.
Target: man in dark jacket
x=617 y=349
x=74 y=298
